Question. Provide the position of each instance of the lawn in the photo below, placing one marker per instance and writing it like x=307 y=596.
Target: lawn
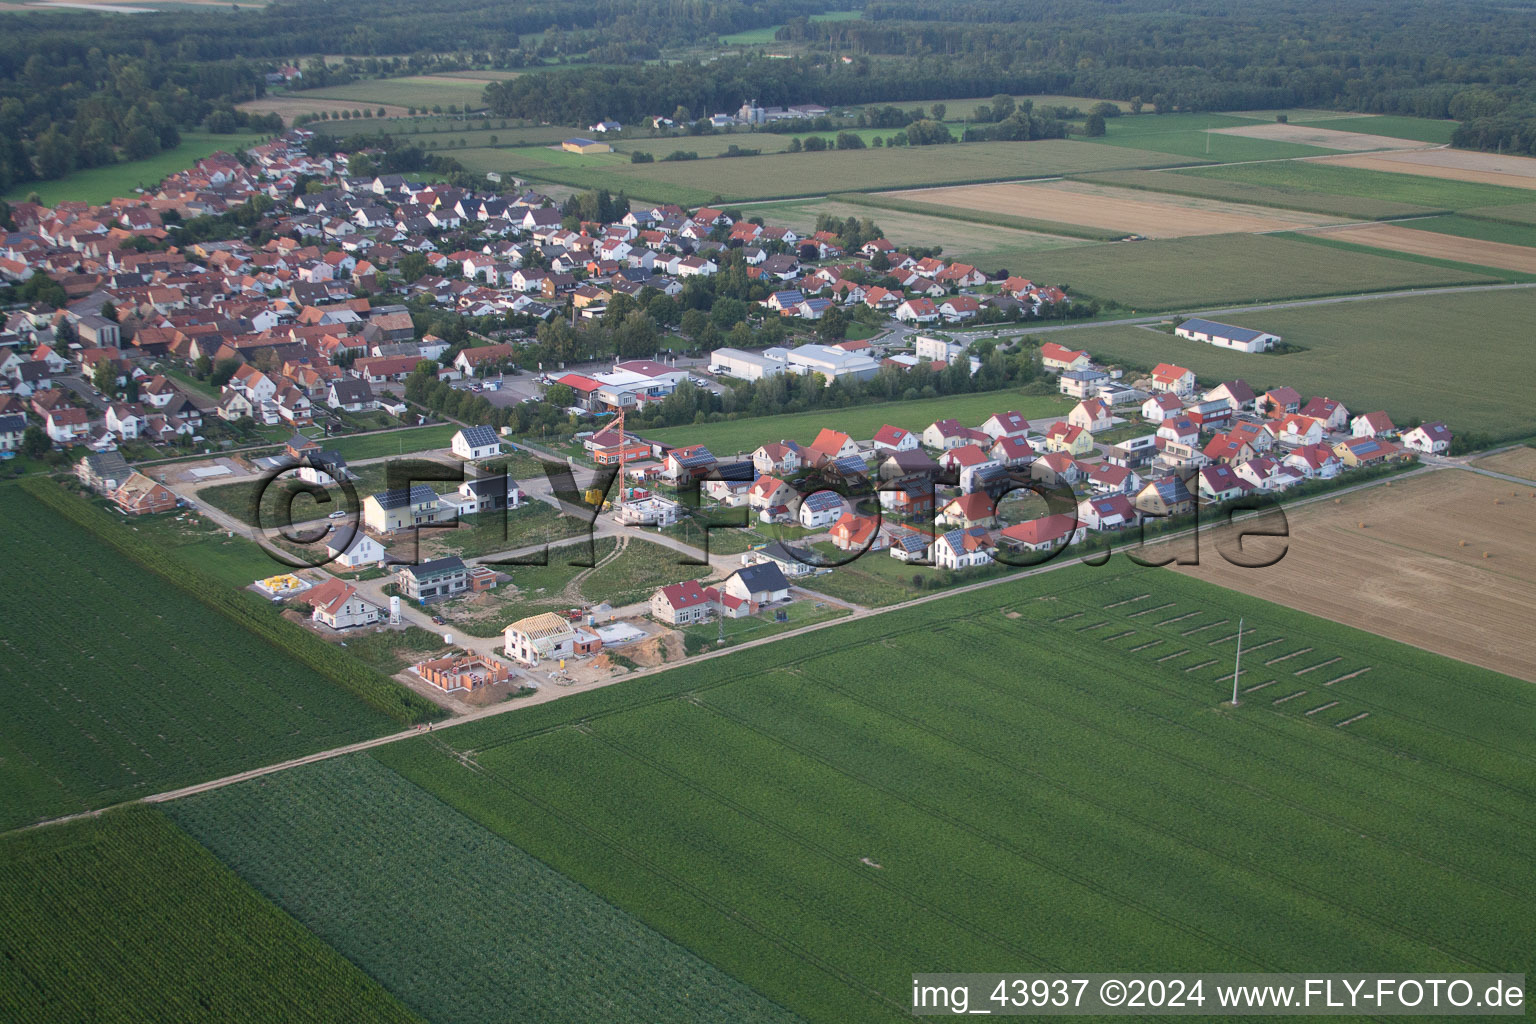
x=1415 y=189
x=1385 y=354
x=103 y=919
x=490 y=934
x=860 y=422
x=1284 y=197
x=99 y=184
x=393 y=442
x=1179 y=273
x=1423 y=129
x=788 y=175
x=148 y=690
x=1038 y=774
x=803 y=612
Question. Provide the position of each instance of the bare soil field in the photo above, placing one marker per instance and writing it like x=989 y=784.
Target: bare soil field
x=1155 y=215
x=290 y=107
x=1437 y=245
x=1415 y=570
x=1451 y=164
x=1327 y=138
x=959 y=238
x=1519 y=462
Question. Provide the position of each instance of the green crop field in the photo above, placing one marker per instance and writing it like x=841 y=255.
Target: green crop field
x=151 y=689
x=713 y=145
x=1382 y=354
x=1188 y=135
x=1422 y=129
x=958 y=238
x=419 y=91
x=126 y=919
x=1517 y=213
x=1177 y=273
x=1417 y=189
x=492 y=935
x=860 y=422
x=1039 y=774
x=99 y=184
x=1475 y=227
x=788 y=175
x=1278 y=196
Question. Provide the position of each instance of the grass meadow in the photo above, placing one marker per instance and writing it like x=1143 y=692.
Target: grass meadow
x=1178 y=273
x=99 y=184
x=1392 y=354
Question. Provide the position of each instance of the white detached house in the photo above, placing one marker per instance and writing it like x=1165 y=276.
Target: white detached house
x=474 y=443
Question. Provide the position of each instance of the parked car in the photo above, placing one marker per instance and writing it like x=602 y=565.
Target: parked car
x=438 y=619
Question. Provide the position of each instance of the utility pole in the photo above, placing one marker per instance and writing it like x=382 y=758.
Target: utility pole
x=1237 y=668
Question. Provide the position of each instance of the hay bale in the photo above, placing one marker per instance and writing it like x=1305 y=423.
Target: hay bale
x=1462 y=544
x=1487 y=554
x=1362 y=526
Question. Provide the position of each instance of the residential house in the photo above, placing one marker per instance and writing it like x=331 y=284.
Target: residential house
x=762 y=583
x=854 y=532
x=1369 y=451
x=337 y=604
x=968 y=510
x=1164 y=497
x=1174 y=379
x=1161 y=406
x=821 y=508
x=1064 y=437
x=962 y=549
x=894 y=439
x=1005 y=424
x=1062 y=359
x=354 y=549
x=66 y=425
x=139 y=495
x=433 y=580
x=1330 y=412
x=401 y=508
x=1219 y=483
x=468 y=672
x=1111 y=512
x=1044 y=534
x=1280 y=402
x=1092 y=415
x=1428 y=439
x=682 y=604
x=537 y=637
x=1105 y=478
x=1055 y=469
x=350 y=395
x=777 y=458
x=1082 y=383
x=1372 y=424
x=792 y=562
x=1296 y=430
x=1314 y=462
x=1235 y=393
x=103 y=472
x=476 y=442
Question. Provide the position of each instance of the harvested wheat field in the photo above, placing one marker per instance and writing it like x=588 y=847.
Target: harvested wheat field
x=1437 y=245
x=1415 y=571
x=1519 y=462
x=1450 y=164
x=1154 y=215
x=1326 y=138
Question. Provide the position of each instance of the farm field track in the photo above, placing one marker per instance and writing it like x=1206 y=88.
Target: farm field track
x=958 y=238
x=1520 y=461
x=1319 y=135
x=1151 y=214
x=788 y=175
x=1436 y=245
x=1357 y=176
x=1406 y=574
x=151 y=691
x=1235 y=269
x=103 y=918
x=859 y=422
x=1384 y=354
x=1281 y=197
x=1451 y=164
x=344 y=844
x=1083 y=756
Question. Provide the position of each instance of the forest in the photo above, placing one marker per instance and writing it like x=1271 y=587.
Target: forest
x=80 y=89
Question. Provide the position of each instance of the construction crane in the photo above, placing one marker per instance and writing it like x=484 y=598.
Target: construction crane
x=594 y=495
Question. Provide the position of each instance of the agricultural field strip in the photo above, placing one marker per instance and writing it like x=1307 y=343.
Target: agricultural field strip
x=588 y=725
x=962 y=617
